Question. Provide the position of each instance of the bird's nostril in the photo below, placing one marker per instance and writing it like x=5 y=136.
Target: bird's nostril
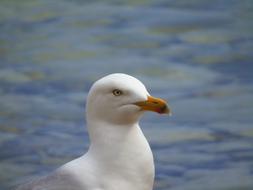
x=155 y=102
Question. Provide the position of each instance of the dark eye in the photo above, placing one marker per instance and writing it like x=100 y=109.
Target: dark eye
x=117 y=92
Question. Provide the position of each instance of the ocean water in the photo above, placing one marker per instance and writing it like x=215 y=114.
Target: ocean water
x=195 y=54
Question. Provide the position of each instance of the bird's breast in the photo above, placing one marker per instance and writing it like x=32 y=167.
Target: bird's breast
x=123 y=158
x=131 y=166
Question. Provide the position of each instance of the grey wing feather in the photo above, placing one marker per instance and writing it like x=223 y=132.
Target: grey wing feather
x=54 y=181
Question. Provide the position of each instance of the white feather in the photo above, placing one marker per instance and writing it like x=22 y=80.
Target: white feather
x=119 y=157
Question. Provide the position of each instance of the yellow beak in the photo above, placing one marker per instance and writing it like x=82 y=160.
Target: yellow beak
x=154 y=104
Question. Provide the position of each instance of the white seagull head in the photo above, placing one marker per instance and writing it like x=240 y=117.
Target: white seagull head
x=121 y=99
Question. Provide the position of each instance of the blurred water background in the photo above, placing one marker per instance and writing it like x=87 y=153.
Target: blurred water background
x=196 y=54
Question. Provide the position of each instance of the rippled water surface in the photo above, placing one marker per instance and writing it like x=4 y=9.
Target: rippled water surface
x=196 y=54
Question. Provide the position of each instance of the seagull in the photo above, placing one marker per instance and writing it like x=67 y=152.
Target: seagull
x=119 y=156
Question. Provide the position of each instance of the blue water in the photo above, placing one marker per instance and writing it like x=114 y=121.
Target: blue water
x=195 y=54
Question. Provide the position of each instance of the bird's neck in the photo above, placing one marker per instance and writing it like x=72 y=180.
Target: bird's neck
x=103 y=134
x=109 y=140
x=122 y=150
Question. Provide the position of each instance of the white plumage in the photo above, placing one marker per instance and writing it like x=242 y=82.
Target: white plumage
x=119 y=156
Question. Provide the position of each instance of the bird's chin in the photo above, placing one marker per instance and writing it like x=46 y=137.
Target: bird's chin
x=130 y=112
x=130 y=108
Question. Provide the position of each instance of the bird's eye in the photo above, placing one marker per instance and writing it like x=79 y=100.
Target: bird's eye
x=117 y=92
